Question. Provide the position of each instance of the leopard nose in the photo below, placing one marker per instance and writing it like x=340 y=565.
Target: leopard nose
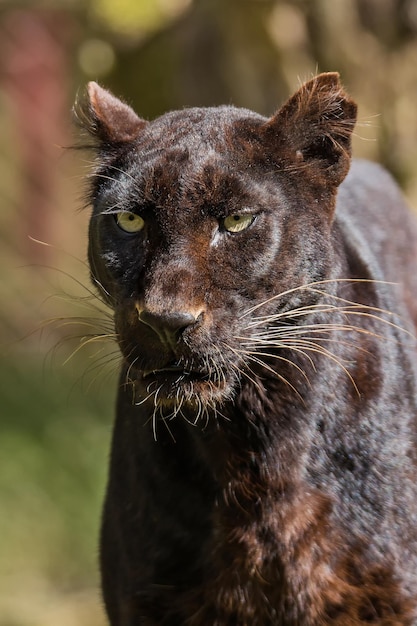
x=168 y=326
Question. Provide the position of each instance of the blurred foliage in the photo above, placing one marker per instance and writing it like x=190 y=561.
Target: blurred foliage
x=133 y=18
x=125 y=15
x=56 y=405
x=157 y=54
x=54 y=449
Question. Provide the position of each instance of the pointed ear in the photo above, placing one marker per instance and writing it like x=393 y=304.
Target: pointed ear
x=313 y=129
x=107 y=118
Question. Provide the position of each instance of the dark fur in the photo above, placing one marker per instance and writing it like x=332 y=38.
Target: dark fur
x=280 y=487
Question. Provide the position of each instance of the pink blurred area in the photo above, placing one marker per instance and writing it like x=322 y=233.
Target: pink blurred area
x=35 y=51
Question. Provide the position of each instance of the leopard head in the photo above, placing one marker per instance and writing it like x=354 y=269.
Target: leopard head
x=205 y=223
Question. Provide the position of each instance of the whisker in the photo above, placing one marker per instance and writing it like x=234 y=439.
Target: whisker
x=310 y=286
x=100 y=364
x=311 y=329
x=335 y=340
x=145 y=399
x=345 y=311
x=219 y=370
x=94 y=323
x=282 y=333
x=79 y=283
x=121 y=171
x=131 y=365
x=165 y=419
x=82 y=345
x=276 y=374
x=156 y=407
x=242 y=371
x=312 y=347
x=277 y=357
x=293 y=313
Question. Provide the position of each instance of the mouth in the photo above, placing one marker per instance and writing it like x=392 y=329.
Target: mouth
x=176 y=383
x=177 y=372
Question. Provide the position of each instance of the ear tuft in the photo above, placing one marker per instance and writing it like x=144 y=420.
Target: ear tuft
x=315 y=126
x=107 y=118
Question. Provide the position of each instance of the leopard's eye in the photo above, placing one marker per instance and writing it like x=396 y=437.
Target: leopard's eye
x=129 y=222
x=236 y=223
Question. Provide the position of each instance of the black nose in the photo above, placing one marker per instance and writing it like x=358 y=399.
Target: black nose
x=168 y=326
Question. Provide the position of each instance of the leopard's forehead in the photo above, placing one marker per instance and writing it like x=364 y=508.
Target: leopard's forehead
x=183 y=157
x=181 y=180
x=196 y=129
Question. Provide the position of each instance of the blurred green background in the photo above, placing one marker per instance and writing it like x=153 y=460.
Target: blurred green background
x=56 y=394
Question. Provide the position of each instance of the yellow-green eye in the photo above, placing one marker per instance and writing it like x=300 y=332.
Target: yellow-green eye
x=129 y=222
x=236 y=223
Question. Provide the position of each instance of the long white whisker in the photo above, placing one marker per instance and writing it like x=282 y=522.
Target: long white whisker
x=240 y=370
x=276 y=374
x=277 y=357
x=310 y=286
x=312 y=347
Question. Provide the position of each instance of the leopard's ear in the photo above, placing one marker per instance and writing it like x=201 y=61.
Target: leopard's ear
x=107 y=118
x=313 y=129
